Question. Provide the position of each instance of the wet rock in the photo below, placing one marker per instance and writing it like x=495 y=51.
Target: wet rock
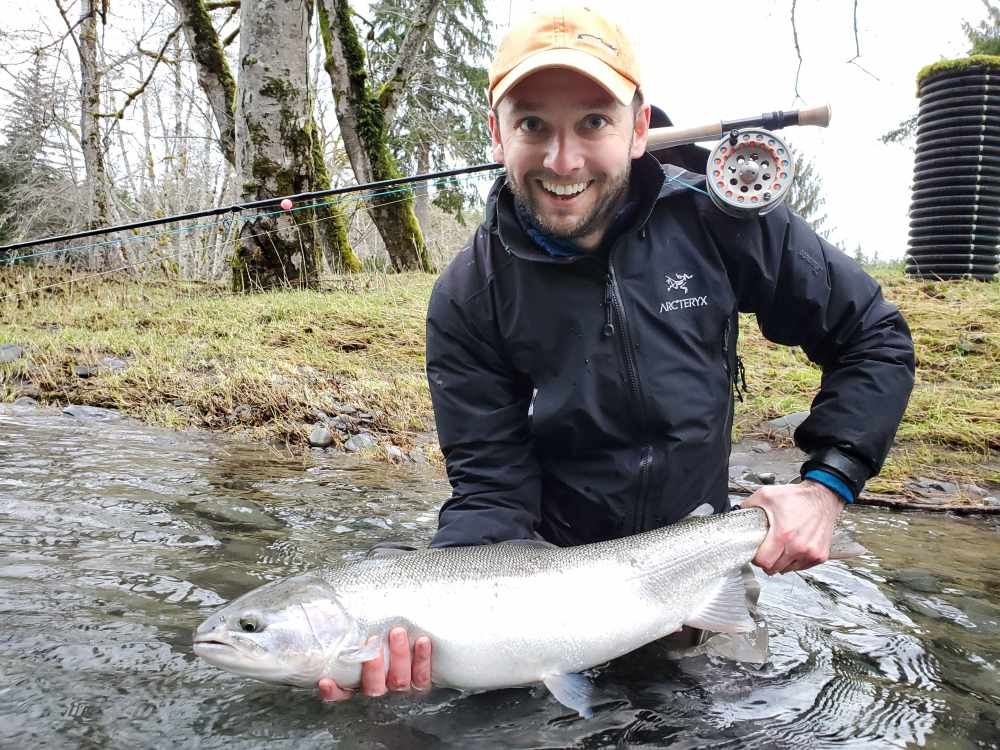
x=766 y=477
x=396 y=454
x=25 y=402
x=360 y=442
x=917 y=579
x=738 y=471
x=242 y=513
x=320 y=437
x=786 y=425
x=114 y=364
x=10 y=352
x=29 y=390
x=341 y=529
x=933 y=485
x=379 y=523
x=992 y=502
x=761 y=446
x=84 y=371
x=91 y=412
x=973 y=490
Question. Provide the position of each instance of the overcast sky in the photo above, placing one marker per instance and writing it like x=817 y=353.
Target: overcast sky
x=711 y=60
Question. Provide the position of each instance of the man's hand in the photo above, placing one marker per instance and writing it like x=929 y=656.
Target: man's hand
x=802 y=518
x=405 y=670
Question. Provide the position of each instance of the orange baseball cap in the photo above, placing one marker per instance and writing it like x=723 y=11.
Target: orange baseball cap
x=573 y=37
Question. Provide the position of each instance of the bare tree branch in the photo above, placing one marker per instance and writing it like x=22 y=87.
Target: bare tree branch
x=133 y=95
x=798 y=53
x=409 y=50
x=857 y=46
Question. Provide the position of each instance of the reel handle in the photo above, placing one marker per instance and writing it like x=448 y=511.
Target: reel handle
x=819 y=116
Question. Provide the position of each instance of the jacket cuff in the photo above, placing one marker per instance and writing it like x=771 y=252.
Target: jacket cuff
x=835 y=462
x=832 y=483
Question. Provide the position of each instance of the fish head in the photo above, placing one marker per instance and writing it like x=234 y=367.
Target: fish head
x=293 y=631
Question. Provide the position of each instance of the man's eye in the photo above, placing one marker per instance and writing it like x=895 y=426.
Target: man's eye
x=530 y=125
x=595 y=122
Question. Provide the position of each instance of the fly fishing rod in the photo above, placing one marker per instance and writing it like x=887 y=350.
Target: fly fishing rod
x=749 y=172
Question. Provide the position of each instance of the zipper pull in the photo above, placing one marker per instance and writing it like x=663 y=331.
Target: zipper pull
x=609 y=326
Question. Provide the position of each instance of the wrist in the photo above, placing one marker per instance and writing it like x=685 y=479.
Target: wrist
x=831 y=483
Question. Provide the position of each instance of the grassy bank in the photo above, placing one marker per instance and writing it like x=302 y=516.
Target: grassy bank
x=272 y=365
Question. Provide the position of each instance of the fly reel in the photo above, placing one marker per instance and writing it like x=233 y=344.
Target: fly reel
x=751 y=170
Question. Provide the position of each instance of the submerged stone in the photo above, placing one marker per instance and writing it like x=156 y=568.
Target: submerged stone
x=10 y=352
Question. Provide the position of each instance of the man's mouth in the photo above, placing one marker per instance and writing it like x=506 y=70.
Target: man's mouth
x=564 y=191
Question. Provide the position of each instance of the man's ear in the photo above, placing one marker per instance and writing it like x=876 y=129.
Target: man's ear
x=495 y=144
x=641 y=132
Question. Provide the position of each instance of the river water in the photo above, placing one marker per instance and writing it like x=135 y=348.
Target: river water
x=117 y=539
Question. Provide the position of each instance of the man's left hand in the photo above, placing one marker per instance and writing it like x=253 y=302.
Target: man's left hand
x=802 y=518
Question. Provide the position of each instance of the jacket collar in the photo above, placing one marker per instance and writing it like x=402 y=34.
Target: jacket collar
x=647 y=181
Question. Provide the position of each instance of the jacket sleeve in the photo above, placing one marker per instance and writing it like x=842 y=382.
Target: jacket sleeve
x=807 y=293
x=481 y=411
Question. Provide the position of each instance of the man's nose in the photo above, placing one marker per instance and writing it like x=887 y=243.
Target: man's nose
x=563 y=154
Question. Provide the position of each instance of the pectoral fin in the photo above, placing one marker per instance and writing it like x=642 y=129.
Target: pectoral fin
x=362 y=651
x=725 y=610
x=573 y=691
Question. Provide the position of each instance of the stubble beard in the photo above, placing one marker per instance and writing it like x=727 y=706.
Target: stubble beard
x=599 y=218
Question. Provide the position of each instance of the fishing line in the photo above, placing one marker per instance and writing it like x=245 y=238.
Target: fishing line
x=148 y=261
x=228 y=221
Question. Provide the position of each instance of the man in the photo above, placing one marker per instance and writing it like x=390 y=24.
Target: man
x=579 y=396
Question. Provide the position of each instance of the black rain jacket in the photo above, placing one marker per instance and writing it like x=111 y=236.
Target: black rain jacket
x=586 y=398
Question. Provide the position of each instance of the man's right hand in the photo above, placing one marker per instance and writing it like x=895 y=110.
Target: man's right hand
x=405 y=671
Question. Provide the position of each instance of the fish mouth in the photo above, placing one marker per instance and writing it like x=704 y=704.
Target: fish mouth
x=210 y=645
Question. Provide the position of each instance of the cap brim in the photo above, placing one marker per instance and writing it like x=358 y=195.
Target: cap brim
x=621 y=88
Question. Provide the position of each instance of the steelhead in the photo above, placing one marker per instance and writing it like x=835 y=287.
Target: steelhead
x=499 y=615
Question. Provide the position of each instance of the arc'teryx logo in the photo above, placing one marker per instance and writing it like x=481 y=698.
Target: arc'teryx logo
x=678 y=282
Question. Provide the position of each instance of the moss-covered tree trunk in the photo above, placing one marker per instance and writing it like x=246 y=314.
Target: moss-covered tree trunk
x=90 y=129
x=274 y=145
x=363 y=125
x=214 y=75
x=219 y=86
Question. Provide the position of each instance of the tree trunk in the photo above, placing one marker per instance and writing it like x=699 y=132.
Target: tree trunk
x=331 y=225
x=363 y=126
x=274 y=145
x=421 y=197
x=90 y=130
x=213 y=71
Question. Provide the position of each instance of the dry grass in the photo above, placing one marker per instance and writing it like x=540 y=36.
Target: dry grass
x=265 y=364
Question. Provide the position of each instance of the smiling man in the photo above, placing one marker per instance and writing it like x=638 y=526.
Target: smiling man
x=581 y=350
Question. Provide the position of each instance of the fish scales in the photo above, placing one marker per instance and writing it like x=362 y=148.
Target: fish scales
x=498 y=615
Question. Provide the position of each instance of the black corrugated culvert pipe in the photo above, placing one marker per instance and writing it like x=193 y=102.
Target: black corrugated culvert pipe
x=955 y=208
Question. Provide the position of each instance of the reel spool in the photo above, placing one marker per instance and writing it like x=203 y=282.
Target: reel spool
x=749 y=173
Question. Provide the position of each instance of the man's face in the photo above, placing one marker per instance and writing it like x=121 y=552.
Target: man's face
x=568 y=146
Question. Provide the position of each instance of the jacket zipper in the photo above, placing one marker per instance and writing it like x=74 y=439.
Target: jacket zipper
x=615 y=306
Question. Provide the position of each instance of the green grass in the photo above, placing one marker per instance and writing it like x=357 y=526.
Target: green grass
x=263 y=365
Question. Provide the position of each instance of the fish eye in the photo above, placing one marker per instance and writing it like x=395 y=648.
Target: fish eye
x=250 y=625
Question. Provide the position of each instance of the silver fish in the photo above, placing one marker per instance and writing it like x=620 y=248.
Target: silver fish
x=500 y=615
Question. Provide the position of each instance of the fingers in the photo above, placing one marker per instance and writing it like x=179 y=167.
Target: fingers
x=398 y=677
x=422 y=663
x=330 y=691
x=373 y=676
x=406 y=670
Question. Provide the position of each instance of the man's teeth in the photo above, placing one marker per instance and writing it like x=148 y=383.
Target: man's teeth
x=573 y=189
